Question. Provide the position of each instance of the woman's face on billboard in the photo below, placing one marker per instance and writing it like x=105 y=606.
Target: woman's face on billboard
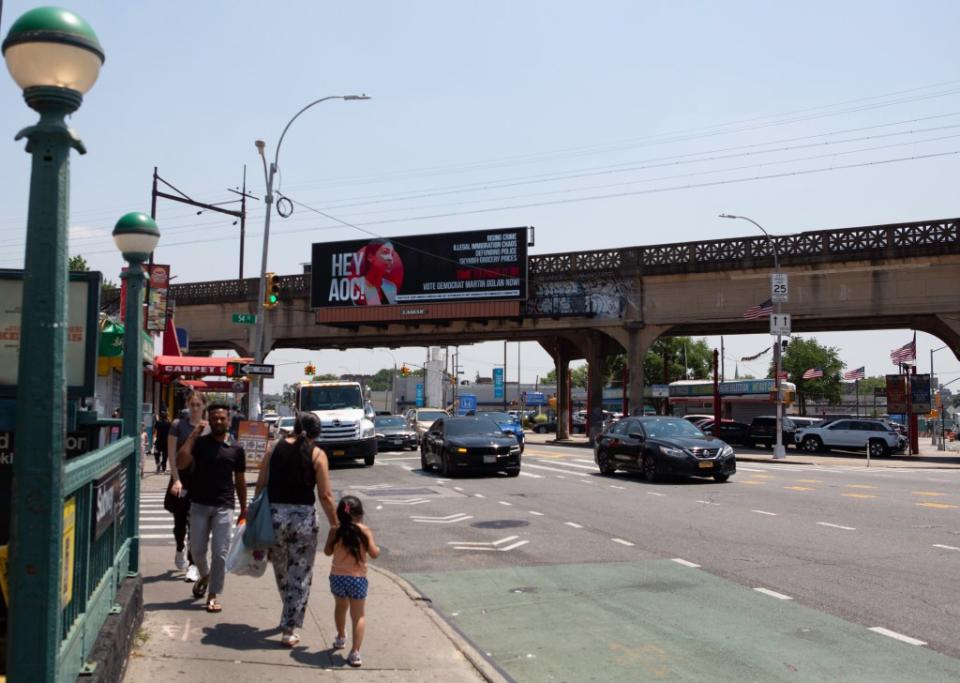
x=382 y=259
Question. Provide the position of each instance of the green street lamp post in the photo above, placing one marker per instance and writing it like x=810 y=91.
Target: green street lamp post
x=55 y=57
x=136 y=235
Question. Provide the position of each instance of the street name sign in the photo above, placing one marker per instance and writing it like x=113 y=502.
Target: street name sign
x=245 y=318
x=779 y=288
x=780 y=324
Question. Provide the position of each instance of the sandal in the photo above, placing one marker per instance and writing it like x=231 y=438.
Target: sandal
x=200 y=587
x=290 y=639
x=214 y=606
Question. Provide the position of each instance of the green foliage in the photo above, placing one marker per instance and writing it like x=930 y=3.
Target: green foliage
x=382 y=380
x=77 y=263
x=803 y=354
x=326 y=377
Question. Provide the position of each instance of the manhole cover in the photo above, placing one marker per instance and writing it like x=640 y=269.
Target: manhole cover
x=500 y=524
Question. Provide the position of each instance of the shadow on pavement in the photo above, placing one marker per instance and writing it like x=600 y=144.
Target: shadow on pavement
x=240 y=637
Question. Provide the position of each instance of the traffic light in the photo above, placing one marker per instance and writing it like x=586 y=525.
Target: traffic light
x=310 y=370
x=271 y=292
x=233 y=370
x=404 y=371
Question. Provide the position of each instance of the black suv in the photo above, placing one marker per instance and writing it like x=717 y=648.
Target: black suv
x=763 y=431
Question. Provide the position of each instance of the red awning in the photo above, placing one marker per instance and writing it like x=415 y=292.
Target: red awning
x=202 y=385
x=194 y=366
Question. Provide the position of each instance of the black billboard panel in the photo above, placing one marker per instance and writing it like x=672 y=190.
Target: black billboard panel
x=479 y=265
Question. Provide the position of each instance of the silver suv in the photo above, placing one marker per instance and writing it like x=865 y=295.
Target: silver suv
x=850 y=434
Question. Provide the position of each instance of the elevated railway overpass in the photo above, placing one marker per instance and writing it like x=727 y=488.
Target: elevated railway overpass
x=594 y=303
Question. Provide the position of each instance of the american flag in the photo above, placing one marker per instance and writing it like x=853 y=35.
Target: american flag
x=813 y=373
x=859 y=373
x=906 y=353
x=759 y=311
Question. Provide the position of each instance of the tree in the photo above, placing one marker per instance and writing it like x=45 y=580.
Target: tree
x=578 y=376
x=77 y=263
x=382 y=380
x=803 y=354
x=326 y=377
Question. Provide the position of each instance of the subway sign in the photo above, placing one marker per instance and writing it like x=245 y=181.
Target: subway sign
x=475 y=266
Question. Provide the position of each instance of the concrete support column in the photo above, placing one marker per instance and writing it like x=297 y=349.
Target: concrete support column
x=595 y=363
x=562 y=360
x=637 y=342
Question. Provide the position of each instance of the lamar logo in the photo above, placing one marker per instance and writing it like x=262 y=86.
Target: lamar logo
x=413 y=311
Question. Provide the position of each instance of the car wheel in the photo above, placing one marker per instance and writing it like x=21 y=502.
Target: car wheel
x=368 y=460
x=720 y=478
x=513 y=472
x=539 y=430
x=445 y=468
x=603 y=462
x=649 y=468
x=877 y=448
x=812 y=444
x=423 y=461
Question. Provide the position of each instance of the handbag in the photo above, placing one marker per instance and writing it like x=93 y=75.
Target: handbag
x=175 y=504
x=259 y=534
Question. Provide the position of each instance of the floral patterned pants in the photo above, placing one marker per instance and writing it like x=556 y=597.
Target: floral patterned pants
x=293 y=555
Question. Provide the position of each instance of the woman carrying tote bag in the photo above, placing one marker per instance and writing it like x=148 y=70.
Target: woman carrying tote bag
x=290 y=472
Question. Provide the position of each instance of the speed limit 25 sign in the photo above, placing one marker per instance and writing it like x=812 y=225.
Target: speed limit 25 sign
x=779 y=288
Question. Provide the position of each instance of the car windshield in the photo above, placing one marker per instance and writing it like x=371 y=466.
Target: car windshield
x=496 y=417
x=479 y=427
x=286 y=422
x=430 y=415
x=670 y=428
x=331 y=398
x=390 y=421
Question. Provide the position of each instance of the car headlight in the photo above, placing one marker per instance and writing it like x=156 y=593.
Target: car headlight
x=367 y=430
x=677 y=452
x=726 y=451
x=514 y=450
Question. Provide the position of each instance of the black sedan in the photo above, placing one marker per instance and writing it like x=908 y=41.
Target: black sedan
x=469 y=444
x=394 y=432
x=658 y=446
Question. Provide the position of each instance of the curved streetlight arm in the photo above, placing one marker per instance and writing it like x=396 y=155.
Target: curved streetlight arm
x=773 y=245
x=276 y=156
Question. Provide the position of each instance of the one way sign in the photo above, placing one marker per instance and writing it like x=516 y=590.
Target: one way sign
x=241 y=369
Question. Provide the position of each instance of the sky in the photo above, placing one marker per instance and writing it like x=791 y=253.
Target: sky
x=488 y=115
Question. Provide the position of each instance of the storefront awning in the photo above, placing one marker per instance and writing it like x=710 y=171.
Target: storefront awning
x=194 y=366
x=206 y=385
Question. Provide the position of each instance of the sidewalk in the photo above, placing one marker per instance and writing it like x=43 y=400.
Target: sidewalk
x=928 y=458
x=406 y=640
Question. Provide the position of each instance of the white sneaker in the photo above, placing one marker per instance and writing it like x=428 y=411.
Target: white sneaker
x=354 y=659
x=193 y=574
x=339 y=643
x=180 y=560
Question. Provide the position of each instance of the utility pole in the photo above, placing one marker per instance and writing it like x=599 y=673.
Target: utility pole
x=504 y=375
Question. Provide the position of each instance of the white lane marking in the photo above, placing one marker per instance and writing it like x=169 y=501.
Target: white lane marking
x=458 y=488
x=945 y=547
x=568 y=464
x=155 y=526
x=748 y=469
x=494 y=543
x=773 y=594
x=409 y=501
x=556 y=469
x=559 y=476
x=654 y=493
x=512 y=546
x=764 y=512
x=154 y=536
x=837 y=526
x=531 y=474
x=574 y=525
x=621 y=541
x=411 y=457
x=407 y=468
x=685 y=563
x=534 y=512
x=707 y=502
x=898 y=636
x=379 y=507
x=451 y=519
x=479 y=495
x=592 y=464
x=584 y=481
x=503 y=502
x=614 y=486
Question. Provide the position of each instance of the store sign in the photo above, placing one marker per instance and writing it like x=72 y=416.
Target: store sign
x=896 y=394
x=108 y=503
x=253 y=436
x=920 y=394
x=420 y=395
x=534 y=398
x=498 y=382
x=481 y=265
x=159 y=283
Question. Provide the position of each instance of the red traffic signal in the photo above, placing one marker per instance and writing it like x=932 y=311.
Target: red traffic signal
x=233 y=370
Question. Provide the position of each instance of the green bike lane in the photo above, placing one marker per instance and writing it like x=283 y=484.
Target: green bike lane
x=565 y=608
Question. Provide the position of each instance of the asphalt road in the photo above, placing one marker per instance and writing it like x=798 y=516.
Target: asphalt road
x=779 y=574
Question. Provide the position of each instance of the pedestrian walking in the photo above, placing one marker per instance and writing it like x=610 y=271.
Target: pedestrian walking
x=293 y=469
x=160 y=444
x=219 y=483
x=178 y=490
x=350 y=544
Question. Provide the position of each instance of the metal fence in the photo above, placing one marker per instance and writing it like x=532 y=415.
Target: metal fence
x=100 y=562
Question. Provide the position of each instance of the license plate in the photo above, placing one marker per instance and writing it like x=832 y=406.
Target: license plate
x=706 y=465
x=396 y=442
x=489 y=458
x=339 y=452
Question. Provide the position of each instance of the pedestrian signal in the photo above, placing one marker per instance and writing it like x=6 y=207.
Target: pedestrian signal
x=271 y=292
x=233 y=370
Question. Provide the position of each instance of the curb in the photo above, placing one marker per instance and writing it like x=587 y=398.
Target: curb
x=484 y=667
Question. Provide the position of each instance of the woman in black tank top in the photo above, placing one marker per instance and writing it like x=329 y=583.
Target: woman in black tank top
x=290 y=472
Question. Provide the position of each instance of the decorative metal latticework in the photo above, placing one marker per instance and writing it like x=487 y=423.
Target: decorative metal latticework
x=901 y=240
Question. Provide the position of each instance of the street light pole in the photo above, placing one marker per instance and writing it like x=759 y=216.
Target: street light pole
x=779 y=451
x=55 y=57
x=933 y=431
x=269 y=173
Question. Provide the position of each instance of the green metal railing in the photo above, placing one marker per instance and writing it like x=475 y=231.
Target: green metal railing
x=99 y=565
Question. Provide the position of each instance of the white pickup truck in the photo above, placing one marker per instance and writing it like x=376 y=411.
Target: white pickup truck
x=346 y=420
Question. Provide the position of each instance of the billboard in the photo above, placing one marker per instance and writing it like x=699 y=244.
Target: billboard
x=896 y=394
x=418 y=270
x=920 y=394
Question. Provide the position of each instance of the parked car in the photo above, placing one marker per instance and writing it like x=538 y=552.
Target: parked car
x=284 y=427
x=731 y=432
x=874 y=436
x=465 y=444
x=694 y=418
x=801 y=422
x=393 y=431
x=763 y=430
x=420 y=419
x=658 y=446
x=506 y=424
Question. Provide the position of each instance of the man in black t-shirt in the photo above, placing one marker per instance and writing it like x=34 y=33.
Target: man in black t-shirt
x=217 y=483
